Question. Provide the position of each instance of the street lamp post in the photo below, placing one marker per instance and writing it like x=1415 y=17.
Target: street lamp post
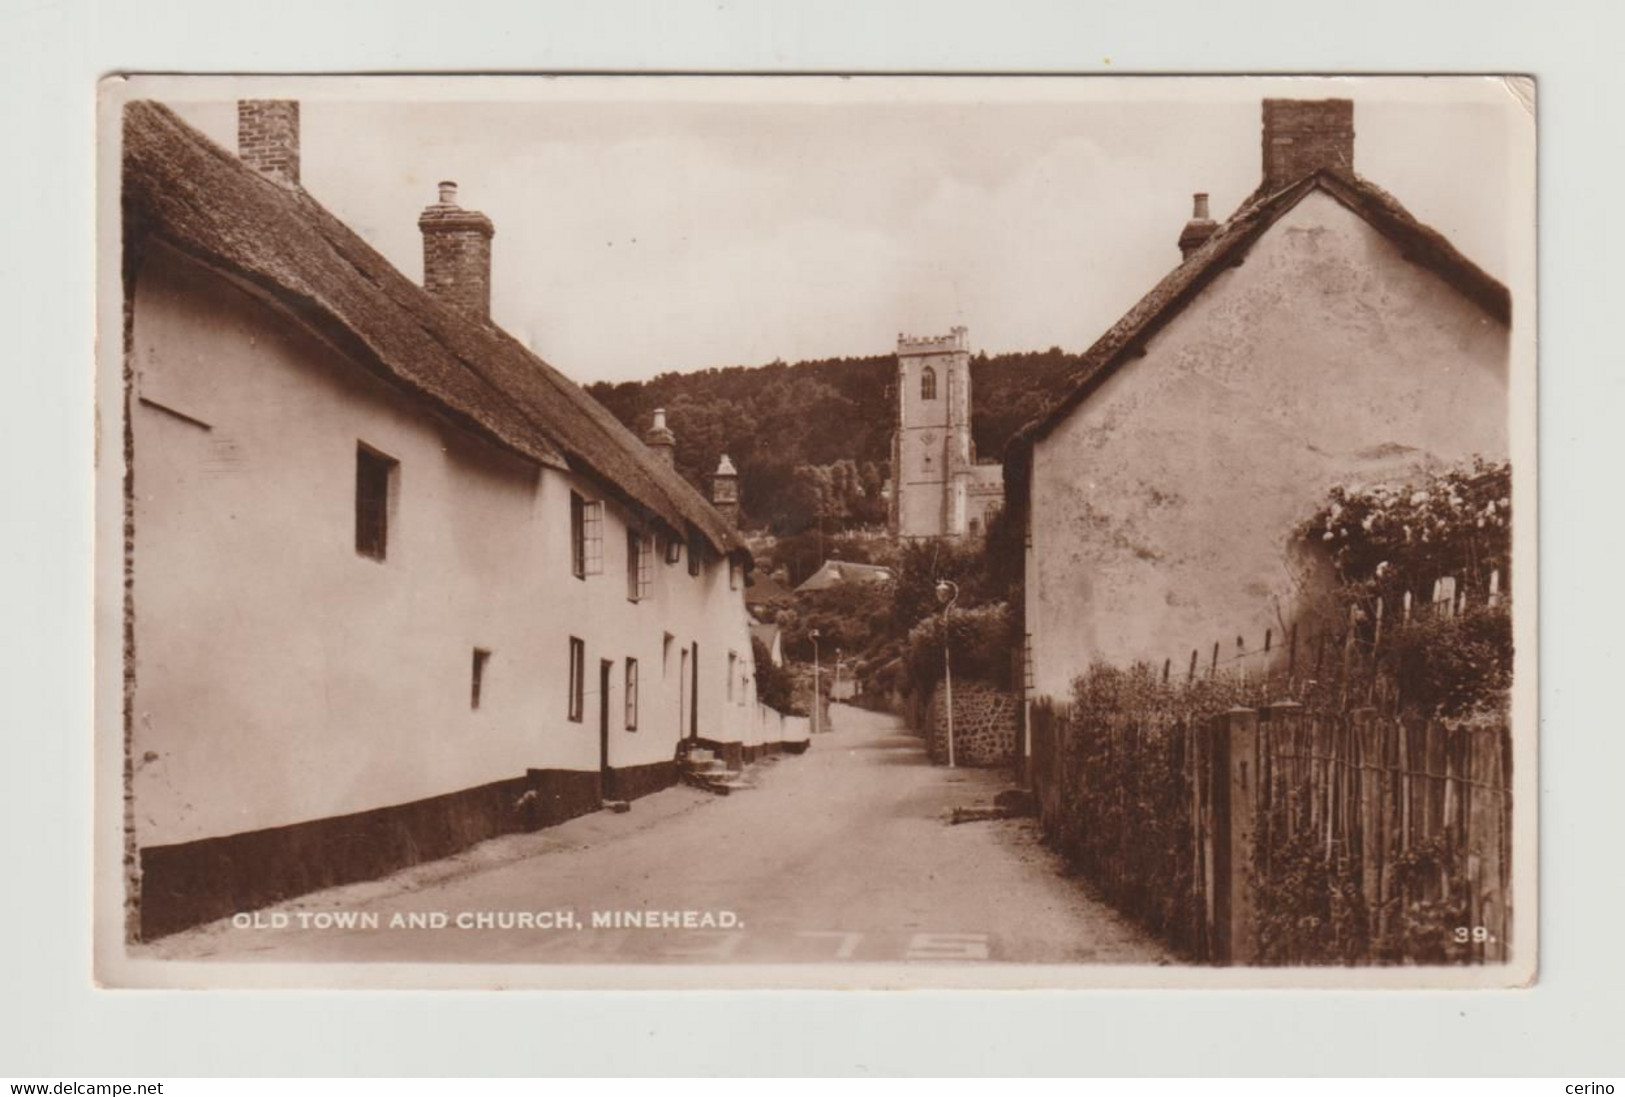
x=948 y=594
x=815 y=698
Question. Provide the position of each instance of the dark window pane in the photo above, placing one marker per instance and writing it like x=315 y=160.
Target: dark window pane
x=373 y=472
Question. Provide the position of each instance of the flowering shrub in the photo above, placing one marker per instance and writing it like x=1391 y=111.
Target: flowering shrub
x=1388 y=539
x=1457 y=523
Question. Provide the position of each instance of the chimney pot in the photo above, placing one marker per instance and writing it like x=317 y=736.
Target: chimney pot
x=661 y=439
x=1199 y=229
x=457 y=254
x=725 y=489
x=268 y=138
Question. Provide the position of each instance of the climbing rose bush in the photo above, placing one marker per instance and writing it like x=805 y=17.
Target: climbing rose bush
x=1454 y=523
x=1387 y=538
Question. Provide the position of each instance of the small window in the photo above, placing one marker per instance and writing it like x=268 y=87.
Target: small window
x=733 y=669
x=928 y=384
x=734 y=571
x=578 y=678
x=639 y=562
x=586 y=536
x=374 y=484
x=694 y=560
x=481 y=658
x=1027 y=662
x=631 y=695
x=674 y=550
x=665 y=654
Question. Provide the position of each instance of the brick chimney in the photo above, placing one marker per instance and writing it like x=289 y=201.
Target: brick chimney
x=457 y=254
x=268 y=138
x=725 y=489
x=1198 y=228
x=1304 y=135
x=662 y=440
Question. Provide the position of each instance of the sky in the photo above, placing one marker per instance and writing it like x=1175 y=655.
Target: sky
x=654 y=224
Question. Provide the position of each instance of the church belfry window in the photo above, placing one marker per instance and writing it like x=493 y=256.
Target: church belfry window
x=928 y=384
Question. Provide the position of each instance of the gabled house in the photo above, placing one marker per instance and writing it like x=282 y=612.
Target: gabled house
x=394 y=584
x=1319 y=335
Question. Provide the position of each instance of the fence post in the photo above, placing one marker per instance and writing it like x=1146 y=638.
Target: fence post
x=1235 y=781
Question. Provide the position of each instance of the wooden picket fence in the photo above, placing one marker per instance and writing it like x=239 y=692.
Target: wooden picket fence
x=1285 y=808
x=1370 y=838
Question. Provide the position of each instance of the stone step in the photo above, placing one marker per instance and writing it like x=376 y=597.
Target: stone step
x=719 y=783
x=701 y=754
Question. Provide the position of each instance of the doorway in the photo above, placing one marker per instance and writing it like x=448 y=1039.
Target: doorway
x=682 y=697
x=606 y=668
x=694 y=693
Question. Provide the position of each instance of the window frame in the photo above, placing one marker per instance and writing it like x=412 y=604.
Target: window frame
x=586 y=536
x=577 y=682
x=631 y=691
x=928 y=383
x=374 y=508
x=639 y=564
x=476 y=692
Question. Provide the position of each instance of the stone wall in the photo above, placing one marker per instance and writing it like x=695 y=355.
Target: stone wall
x=985 y=724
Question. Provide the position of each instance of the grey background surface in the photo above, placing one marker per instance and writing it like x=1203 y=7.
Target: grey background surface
x=57 y=1024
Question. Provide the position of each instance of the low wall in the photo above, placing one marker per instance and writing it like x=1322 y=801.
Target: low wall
x=986 y=723
x=779 y=727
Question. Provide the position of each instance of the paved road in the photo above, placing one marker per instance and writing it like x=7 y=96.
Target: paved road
x=841 y=854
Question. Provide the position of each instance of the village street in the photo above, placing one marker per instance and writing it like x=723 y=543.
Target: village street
x=841 y=854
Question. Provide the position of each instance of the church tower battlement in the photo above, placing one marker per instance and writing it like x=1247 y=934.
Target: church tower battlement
x=933 y=456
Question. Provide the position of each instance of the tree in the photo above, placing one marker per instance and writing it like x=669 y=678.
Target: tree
x=830 y=413
x=774 y=685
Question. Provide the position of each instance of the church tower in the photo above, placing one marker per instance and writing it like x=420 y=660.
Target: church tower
x=931 y=440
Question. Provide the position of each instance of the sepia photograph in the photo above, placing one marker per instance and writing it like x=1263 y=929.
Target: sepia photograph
x=811 y=532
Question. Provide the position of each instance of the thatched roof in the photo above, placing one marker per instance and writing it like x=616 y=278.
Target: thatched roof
x=183 y=189
x=1125 y=340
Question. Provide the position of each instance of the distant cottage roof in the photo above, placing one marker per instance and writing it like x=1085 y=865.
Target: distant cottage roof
x=1125 y=340
x=835 y=572
x=764 y=590
x=183 y=189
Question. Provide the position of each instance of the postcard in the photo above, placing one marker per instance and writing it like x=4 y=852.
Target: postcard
x=816 y=531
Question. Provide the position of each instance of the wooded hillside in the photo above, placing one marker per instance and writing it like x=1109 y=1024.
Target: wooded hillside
x=813 y=439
